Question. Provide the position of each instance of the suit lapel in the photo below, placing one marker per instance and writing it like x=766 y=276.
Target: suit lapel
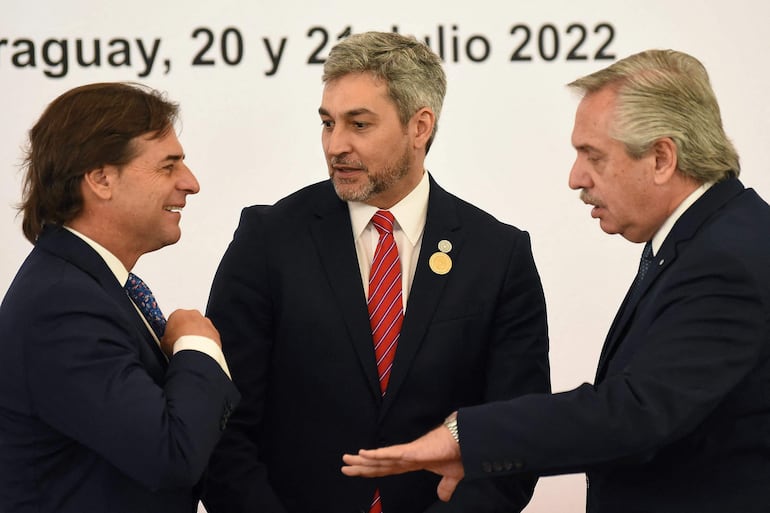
x=333 y=238
x=442 y=223
x=683 y=230
x=332 y=234
x=66 y=245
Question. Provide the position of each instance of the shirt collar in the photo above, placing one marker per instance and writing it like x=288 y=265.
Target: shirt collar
x=115 y=265
x=665 y=229
x=410 y=213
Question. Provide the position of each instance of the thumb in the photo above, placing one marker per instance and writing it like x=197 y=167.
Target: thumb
x=447 y=487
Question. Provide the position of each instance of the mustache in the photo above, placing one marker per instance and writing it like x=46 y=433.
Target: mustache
x=343 y=161
x=587 y=198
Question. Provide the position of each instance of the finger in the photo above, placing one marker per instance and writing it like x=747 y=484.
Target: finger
x=394 y=452
x=352 y=471
x=364 y=471
x=446 y=488
x=371 y=458
x=352 y=459
x=365 y=461
x=358 y=466
x=375 y=468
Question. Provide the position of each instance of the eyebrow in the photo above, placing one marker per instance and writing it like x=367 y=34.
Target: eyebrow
x=349 y=114
x=586 y=148
x=174 y=157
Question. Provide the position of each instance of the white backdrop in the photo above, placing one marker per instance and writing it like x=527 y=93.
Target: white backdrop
x=249 y=90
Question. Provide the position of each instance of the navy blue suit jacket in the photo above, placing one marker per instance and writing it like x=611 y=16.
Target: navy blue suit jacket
x=290 y=306
x=93 y=418
x=678 y=419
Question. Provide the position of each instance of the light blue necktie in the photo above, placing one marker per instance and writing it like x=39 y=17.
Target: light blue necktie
x=142 y=297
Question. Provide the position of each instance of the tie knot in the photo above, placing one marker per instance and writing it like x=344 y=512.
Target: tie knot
x=383 y=221
x=136 y=287
x=142 y=297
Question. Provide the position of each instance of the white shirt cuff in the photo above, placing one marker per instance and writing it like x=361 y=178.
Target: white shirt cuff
x=204 y=345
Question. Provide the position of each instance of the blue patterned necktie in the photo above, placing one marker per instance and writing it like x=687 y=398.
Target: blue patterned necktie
x=142 y=297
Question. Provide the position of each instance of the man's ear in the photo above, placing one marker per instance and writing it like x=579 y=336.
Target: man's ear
x=665 y=154
x=100 y=181
x=423 y=121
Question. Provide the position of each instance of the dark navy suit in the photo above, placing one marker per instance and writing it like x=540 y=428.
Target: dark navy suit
x=290 y=306
x=678 y=420
x=92 y=416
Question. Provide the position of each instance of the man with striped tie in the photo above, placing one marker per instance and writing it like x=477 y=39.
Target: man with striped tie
x=365 y=309
x=105 y=406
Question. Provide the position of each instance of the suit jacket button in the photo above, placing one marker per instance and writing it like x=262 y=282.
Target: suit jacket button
x=486 y=466
x=225 y=417
x=518 y=465
x=508 y=465
x=497 y=466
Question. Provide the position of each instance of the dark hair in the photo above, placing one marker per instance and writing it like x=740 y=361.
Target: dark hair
x=81 y=130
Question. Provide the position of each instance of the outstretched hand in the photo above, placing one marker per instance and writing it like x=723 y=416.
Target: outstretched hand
x=436 y=451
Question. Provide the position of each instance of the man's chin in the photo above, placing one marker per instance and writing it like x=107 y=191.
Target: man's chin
x=348 y=191
x=608 y=228
x=170 y=239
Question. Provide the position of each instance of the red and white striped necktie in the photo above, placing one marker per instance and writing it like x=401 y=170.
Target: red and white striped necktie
x=386 y=311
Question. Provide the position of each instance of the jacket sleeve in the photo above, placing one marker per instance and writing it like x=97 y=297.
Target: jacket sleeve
x=698 y=335
x=86 y=379
x=240 y=308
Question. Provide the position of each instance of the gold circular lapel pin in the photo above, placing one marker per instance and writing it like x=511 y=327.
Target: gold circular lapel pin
x=440 y=262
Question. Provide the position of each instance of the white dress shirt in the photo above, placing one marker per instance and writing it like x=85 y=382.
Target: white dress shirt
x=410 y=214
x=663 y=231
x=186 y=342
